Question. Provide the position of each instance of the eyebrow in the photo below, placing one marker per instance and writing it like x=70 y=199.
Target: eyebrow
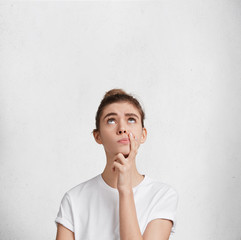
x=126 y=114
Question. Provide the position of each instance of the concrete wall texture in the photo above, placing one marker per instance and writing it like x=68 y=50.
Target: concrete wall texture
x=180 y=58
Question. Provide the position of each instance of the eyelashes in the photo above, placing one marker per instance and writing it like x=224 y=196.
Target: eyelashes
x=113 y=120
x=131 y=120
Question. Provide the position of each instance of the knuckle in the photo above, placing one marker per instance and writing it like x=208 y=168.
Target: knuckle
x=119 y=155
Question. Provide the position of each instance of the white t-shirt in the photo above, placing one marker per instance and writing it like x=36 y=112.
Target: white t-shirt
x=91 y=209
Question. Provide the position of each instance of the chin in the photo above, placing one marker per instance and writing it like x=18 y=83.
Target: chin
x=125 y=153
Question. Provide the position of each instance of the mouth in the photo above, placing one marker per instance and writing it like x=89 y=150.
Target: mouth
x=124 y=141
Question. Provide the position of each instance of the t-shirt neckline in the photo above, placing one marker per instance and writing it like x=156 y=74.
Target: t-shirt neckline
x=108 y=187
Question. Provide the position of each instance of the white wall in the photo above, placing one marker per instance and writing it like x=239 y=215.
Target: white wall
x=181 y=58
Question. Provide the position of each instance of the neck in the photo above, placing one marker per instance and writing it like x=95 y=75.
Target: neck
x=111 y=177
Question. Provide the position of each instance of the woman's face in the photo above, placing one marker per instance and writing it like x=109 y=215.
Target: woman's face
x=116 y=122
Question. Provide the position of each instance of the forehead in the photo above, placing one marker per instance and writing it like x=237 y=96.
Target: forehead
x=120 y=108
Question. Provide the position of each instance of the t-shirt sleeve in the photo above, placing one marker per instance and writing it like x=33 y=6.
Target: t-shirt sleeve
x=65 y=214
x=165 y=207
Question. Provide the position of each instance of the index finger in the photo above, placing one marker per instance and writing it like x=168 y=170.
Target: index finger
x=133 y=146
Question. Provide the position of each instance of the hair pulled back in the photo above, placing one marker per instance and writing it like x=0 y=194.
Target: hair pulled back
x=113 y=96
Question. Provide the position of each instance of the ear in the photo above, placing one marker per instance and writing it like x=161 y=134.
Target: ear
x=96 y=135
x=144 y=135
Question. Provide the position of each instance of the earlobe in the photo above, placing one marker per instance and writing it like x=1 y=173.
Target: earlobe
x=96 y=135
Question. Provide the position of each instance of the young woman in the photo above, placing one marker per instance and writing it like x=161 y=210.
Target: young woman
x=119 y=203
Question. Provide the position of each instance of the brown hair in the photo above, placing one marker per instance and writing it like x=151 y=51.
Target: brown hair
x=113 y=96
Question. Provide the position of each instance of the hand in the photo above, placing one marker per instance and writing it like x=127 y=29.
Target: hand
x=124 y=166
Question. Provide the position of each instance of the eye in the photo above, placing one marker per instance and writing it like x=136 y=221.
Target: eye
x=111 y=121
x=131 y=120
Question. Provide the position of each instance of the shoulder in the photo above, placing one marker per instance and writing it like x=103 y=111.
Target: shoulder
x=83 y=187
x=159 y=194
x=162 y=201
x=160 y=188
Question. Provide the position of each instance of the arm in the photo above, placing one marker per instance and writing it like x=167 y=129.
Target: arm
x=129 y=226
x=158 y=229
x=64 y=233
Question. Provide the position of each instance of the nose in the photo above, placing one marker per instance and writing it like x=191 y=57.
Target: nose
x=121 y=128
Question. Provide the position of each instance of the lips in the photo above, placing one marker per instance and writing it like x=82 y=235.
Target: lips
x=124 y=141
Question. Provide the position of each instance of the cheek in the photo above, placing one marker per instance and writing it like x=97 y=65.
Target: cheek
x=139 y=137
x=137 y=133
x=106 y=137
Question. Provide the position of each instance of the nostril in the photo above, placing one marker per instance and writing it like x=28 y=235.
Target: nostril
x=121 y=131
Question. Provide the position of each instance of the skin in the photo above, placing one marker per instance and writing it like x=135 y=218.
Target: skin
x=122 y=120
